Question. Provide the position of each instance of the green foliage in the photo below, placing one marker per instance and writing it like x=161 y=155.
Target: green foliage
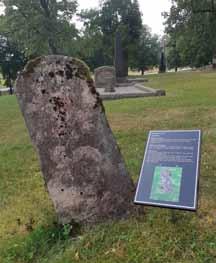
x=92 y=46
x=98 y=37
x=192 y=34
x=40 y=27
x=101 y=26
x=11 y=60
x=123 y=16
x=146 y=55
x=173 y=54
x=34 y=28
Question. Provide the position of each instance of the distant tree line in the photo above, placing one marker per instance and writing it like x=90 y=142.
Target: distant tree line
x=191 y=34
x=39 y=27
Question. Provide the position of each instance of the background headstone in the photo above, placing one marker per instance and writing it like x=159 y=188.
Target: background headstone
x=105 y=77
x=81 y=163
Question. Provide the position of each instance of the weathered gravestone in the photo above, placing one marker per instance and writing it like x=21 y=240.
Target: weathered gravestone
x=105 y=77
x=81 y=163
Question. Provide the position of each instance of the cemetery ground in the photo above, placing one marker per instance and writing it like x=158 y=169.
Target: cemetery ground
x=28 y=232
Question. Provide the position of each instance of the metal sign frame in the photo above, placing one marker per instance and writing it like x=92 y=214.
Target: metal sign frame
x=142 y=176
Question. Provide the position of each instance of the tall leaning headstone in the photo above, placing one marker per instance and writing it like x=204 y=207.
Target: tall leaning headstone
x=121 y=59
x=81 y=163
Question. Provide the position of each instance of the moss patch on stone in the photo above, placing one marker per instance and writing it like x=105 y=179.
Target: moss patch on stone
x=29 y=68
x=83 y=68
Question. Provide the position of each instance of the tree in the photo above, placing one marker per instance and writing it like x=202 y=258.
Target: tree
x=173 y=58
x=173 y=54
x=40 y=26
x=203 y=6
x=194 y=33
x=210 y=8
x=123 y=16
x=11 y=60
x=91 y=43
x=147 y=53
x=104 y=22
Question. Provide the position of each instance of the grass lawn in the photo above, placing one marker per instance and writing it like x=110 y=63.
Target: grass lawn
x=28 y=232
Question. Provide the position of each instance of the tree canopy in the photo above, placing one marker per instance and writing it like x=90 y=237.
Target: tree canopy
x=112 y=16
x=30 y=28
x=147 y=53
x=12 y=60
x=40 y=26
x=191 y=31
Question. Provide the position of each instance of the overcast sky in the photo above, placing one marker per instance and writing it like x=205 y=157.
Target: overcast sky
x=151 y=10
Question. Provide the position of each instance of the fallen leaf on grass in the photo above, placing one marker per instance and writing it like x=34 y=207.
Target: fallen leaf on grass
x=77 y=256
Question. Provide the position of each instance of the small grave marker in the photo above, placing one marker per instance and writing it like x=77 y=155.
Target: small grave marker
x=105 y=78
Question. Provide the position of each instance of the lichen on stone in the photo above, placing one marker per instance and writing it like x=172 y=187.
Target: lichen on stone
x=29 y=68
x=79 y=156
x=83 y=68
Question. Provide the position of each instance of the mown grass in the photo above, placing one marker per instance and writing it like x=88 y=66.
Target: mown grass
x=28 y=232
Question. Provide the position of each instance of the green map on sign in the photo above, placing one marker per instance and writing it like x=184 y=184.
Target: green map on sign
x=166 y=184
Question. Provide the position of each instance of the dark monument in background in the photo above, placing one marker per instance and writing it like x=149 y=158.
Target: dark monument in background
x=121 y=59
x=162 y=66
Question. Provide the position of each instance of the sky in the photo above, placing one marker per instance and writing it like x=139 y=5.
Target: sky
x=151 y=10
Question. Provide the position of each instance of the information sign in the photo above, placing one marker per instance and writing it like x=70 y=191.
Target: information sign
x=170 y=170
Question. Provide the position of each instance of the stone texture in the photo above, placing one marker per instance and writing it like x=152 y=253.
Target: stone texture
x=81 y=163
x=105 y=77
x=135 y=91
